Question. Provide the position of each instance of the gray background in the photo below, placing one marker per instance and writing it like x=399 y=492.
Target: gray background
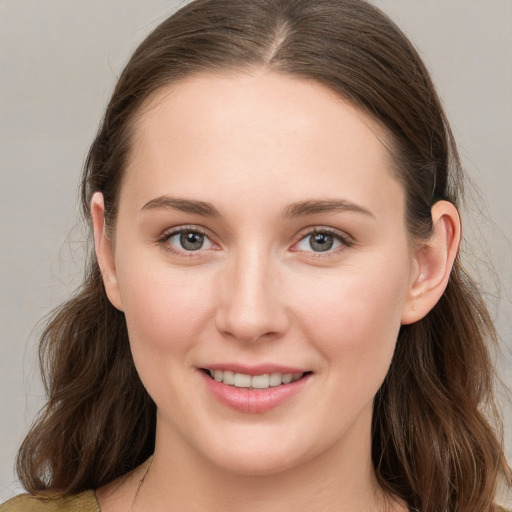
x=58 y=62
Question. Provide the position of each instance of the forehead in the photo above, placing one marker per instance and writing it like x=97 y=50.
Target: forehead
x=246 y=131
x=226 y=98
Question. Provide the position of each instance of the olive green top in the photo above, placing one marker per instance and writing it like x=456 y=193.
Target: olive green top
x=84 y=502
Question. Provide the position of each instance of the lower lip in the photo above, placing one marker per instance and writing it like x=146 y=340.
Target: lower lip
x=253 y=400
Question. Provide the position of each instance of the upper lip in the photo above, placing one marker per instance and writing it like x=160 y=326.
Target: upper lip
x=259 y=369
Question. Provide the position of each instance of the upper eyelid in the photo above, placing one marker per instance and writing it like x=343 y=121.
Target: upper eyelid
x=343 y=235
x=168 y=234
x=303 y=233
x=180 y=229
x=345 y=240
x=172 y=232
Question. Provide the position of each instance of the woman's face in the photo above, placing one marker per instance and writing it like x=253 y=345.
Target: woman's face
x=261 y=238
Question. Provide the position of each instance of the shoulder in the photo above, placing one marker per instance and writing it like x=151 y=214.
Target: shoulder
x=82 y=502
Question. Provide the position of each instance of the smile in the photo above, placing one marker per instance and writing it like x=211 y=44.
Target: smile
x=264 y=381
x=251 y=390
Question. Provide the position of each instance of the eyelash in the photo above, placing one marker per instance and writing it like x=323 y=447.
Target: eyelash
x=343 y=240
x=162 y=241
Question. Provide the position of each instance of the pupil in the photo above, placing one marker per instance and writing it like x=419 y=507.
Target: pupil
x=191 y=241
x=321 y=242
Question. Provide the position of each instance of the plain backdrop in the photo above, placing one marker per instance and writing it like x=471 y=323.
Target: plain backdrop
x=59 y=60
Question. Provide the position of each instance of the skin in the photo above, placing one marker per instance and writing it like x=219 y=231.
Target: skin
x=252 y=146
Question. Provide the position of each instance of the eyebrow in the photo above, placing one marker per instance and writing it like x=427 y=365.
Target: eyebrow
x=299 y=209
x=303 y=208
x=183 y=205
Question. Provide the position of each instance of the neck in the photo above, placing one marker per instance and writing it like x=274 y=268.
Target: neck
x=341 y=479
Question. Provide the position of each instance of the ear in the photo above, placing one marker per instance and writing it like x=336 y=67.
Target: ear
x=433 y=262
x=104 y=251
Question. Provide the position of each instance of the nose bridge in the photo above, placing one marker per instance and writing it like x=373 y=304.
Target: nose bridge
x=251 y=305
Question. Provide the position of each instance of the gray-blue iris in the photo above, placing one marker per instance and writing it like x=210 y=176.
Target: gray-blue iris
x=321 y=242
x=191 y=241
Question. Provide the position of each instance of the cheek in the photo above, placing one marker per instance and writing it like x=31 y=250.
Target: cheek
x=355 y=318
x=164 y=309
x=166 y=312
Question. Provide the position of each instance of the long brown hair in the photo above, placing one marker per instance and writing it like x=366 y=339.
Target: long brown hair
x=433 y=444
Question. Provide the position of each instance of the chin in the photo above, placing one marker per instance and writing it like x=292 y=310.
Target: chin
x=259 y=465
x=262 y=456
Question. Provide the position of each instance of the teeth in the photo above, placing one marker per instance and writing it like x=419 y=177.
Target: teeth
x=275 y=379
x=229 y=378
x=241 y=380
x=260 y=381
x=287 y=378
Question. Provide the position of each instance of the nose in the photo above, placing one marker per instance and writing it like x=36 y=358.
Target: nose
x=251 y=306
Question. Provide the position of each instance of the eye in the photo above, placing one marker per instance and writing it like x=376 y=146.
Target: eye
x=321 y=241
x=186 y=240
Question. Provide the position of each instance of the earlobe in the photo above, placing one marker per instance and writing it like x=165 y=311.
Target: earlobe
x=104 y=251
x=433 y=262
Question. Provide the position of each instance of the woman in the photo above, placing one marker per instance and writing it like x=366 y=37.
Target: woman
x=275 y=315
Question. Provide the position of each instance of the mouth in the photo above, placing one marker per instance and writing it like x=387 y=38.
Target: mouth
x=254 y=389
x=263 y=381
